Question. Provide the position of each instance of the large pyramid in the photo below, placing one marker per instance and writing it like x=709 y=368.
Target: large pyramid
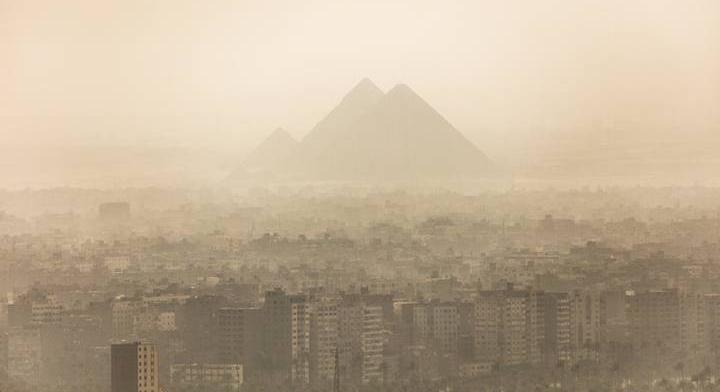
x=373 y=135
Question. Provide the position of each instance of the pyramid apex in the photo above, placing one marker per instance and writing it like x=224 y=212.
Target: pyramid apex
x=365 y=85
x=401 y=88
x=366 y=81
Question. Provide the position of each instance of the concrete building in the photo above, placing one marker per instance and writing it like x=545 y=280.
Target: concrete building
x=134 y=368
x=125 y=316
x=226 y=377
x=712 y=312
x=286 y=334
x=24 y=354
x=239 y=331
x=694 y=325
x=475 y=369
x=372 y=344
x=360 y=341
x=654 y=318
x=588 y=322
x=34 y=308
x=444 y=327
x=510 y=326
x=414 y=323
x=557 y=317
x=300 y=339
x=323 y=340
x=434 y=324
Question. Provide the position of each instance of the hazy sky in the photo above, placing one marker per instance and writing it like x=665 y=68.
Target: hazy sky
x=215 y=77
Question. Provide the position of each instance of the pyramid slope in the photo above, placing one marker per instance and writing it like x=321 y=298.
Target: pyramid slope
x=329 y=131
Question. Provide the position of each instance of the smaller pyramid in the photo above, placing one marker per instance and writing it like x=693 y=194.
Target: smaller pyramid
x=274 y=150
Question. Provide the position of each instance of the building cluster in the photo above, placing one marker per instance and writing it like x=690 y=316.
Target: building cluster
x=335 y=338
x=389 y=293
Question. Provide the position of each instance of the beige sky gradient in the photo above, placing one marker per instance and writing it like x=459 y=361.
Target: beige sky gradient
x=522 y=79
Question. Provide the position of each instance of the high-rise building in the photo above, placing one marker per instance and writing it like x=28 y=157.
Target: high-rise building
x=444 y=327
x=300 y=339
x=360 y=341
x=557 y=325
x=239 y=331
x=197 y=324
x=323 y=340
x=694 y=325
x=655 y=321
x=134 y=367
x=587 y=325
x=489 y=322
x=466 y=331
x=3 y=355
x=286 y=334
x=435 y=325
x=510 y=326
x=415 y=323
x=372 y=344
x=277 y=328
x=712 y=312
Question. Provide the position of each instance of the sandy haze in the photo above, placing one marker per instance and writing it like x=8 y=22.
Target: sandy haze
x=178 y=92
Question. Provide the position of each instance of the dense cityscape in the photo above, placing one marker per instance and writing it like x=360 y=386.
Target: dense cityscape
x=613 y=289
x=359 y=196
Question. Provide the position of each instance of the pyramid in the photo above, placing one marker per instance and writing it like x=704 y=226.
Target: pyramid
x=275 y=149
x=371 y=135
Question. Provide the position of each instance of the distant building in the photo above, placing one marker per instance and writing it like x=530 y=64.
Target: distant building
x=117 y=264
x=227 y=377
x=34 y=308
x=475 y=369
x=134 y=368
x=3 y=313
x=24 y=354
x=125 y=316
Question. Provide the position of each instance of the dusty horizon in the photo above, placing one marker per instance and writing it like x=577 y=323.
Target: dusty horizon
x=186 y=91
